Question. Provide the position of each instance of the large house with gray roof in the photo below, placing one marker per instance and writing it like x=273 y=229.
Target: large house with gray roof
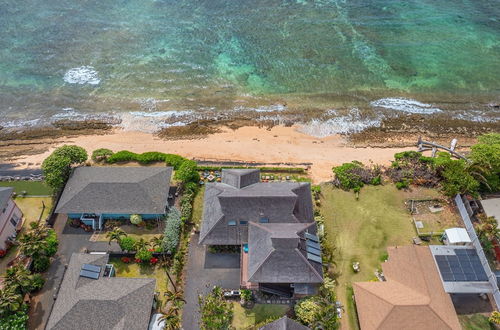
x=274 y=224
x=94 y=194
x=91 y=298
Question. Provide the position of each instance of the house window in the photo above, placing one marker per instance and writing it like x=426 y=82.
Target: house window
x=231 y=223
x=243 y=222
x=14 y=220
x=264 y=220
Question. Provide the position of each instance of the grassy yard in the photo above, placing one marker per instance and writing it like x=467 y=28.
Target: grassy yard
x=475 y=322
x=143 y=271
x=361 y=230
x=35 y=188
x=249 y=318
x=198 y=206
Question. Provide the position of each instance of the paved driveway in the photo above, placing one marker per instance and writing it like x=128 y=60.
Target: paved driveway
x=204 y=271
x=71 y=240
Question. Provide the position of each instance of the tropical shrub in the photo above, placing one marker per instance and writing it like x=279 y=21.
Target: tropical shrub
x=126 y=260
x=172 y=231
x=150 y=157
x=135 y=219
x=15 y=321
x=41 y=264
x=216 y=313
x=101 y=155
x=355 y=175
x=144 y=255
x=52 y=243
x=494 y=318
x=187 y=172
x=127 y=244
x=10 y=301
x=174 y=160
x=76 y=154
x=57 y=167
x=122 y=156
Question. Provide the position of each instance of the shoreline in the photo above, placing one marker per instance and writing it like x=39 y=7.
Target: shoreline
x=278 y=144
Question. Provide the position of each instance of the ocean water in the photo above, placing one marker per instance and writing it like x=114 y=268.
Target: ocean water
x=157 y=59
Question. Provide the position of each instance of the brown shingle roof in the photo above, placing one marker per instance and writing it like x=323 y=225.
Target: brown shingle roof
x=411 y=298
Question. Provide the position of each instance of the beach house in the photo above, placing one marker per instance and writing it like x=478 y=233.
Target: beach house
x=274 y=225
x=10 y=217
x=95 y=194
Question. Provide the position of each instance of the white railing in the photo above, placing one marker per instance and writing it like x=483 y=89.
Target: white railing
x=477 y=245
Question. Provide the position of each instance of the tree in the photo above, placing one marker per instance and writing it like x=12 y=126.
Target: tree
x=75 y=154
x=19 y=278
x=10 y=300
x=216 y=313
x=115 y=235
x=57 y=167
x=486 y=155
x=187 y=172
x=135 y=219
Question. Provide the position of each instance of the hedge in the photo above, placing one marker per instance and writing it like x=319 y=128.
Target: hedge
x=146 y=158
x=172 y=231
x=297 y=170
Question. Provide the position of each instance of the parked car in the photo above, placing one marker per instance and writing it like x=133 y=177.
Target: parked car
x=232 y=294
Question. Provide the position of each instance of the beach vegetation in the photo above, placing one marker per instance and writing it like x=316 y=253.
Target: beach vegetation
x=355 y=175
x=101 y=155
x=187 y=172
x=57 y=167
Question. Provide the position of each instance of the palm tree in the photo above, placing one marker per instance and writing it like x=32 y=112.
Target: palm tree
x=10 y=300
x=19 y=278
x=171 y=318
x=141 y=244
x=115 y=235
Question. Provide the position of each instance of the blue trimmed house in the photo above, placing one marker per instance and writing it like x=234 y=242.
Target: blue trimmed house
x=95 y=194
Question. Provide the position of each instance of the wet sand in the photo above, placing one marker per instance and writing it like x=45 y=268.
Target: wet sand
x=246 y=144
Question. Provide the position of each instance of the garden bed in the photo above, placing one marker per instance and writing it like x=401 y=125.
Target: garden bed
x=250 y=318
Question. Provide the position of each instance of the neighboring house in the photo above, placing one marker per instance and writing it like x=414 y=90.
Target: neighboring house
x=10 y=217
x=412 y=297
x=284 y=323
x=95 y=194
x=274 y=224
x=89 y=300
x=491 y=208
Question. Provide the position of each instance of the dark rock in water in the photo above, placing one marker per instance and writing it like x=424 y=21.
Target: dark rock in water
x=162 y=51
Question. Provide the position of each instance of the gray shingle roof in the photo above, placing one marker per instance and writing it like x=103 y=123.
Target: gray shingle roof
x=119 y=190
x=282 y=202
x=284 y=323
x=276 y=254
x=106 y=303
x=240 y=178
x=5 y=194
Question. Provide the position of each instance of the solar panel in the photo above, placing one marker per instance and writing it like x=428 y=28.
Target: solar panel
x=463 y=266
x=91 y=268
x=312 y=250
x=314 y=258
x=312 y=237
x=89 y=274
x=313 y=244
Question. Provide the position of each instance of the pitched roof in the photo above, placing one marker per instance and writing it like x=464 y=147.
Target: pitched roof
x=119 y=190
x=276 y=254
x=412 y=297
x=284 y=323
x=240 y=178
x=279 y=202
x=5 y=194
x=106 y=303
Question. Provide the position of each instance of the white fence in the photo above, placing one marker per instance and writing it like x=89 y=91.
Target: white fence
x=477 y=245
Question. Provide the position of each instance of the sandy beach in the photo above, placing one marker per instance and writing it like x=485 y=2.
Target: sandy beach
x=247 y=144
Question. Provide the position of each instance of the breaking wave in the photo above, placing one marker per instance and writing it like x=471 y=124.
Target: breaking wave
x=82 y=75
x=405 y=105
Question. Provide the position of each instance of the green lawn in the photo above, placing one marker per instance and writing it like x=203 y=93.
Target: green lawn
x=135 y=270
x=249 y=318
x=198 y=206
x=36 y=188
x=361 y=230
x=475 y=322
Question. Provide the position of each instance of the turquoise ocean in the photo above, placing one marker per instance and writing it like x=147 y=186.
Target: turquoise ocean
x=337 y=60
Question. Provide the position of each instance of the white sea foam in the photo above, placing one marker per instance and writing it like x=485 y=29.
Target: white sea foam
x=405 y=105
x=82 y=75
x=150 y=122
x=351 y=123
x=264 y=108
x=19 y=123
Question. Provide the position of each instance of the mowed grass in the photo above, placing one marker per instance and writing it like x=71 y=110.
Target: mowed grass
x=249 y=318
x=198 y=206
x=135 y=270
x=475 y=322
x=34 y=188
x=361 y=230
